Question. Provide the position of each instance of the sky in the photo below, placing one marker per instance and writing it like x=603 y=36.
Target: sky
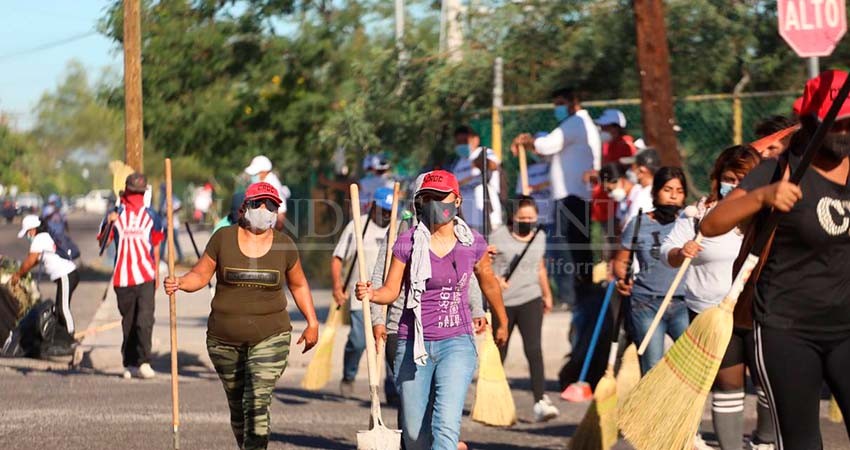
x=37 y=39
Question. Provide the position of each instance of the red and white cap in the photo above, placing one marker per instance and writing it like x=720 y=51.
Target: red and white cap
x=261 y=190
x=440 y=181
x=819 y=94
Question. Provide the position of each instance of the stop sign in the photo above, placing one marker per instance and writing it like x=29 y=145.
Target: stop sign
x=812 y=27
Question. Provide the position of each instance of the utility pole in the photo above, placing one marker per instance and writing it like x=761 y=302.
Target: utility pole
x=133 y=134
x=656 y=92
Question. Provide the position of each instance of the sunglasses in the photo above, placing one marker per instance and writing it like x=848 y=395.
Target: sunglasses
x=429 y=196
x=271 y=205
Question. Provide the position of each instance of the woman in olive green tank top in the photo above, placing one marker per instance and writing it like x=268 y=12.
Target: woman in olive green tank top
x=249 y=331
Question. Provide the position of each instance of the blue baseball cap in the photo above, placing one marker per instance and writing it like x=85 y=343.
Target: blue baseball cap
x=384 y=198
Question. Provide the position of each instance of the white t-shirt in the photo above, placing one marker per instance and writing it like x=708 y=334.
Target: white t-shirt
x=282 y=190
x=576 y=148
x=55 y=265
x=346 y=248
x=708 y=279
x=538 y=173
x=472 y=190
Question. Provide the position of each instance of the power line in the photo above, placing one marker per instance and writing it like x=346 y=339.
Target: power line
x=48 y=45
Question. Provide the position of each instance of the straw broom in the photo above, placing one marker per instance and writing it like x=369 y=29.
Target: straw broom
x=319 y=370
x=494 y=404
x=629 y=374
x=598 y=429
x=664 y=410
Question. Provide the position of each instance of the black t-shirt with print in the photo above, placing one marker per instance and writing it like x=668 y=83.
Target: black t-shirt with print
x=805 y=283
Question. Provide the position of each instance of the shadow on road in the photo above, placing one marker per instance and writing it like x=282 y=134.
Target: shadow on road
x=188 y=365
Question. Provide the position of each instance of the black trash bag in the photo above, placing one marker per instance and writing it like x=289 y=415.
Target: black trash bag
x=38 y=335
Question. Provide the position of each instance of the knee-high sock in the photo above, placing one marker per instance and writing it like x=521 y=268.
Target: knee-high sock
x=727 y=412
x=765 y=432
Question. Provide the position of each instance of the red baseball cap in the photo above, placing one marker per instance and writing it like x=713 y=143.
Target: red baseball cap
x=819 y=93
x=260 y=190
x=440 y=181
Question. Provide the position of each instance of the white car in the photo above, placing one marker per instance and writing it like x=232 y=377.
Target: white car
x=97 y=201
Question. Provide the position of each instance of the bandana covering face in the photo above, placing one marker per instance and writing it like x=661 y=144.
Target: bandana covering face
x=133 y=201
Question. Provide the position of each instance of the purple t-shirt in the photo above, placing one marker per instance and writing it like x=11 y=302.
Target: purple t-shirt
x=445 y=302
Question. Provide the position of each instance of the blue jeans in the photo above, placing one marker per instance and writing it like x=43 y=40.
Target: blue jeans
x=641 y=311
x=432 y=395
x=354 y=347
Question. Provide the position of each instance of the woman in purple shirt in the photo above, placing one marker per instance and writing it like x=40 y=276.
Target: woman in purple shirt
x=436 y=355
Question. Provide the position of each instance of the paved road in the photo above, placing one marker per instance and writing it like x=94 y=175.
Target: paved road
x=45 y=405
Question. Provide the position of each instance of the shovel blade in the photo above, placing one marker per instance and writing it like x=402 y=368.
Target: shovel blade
x=379 y=438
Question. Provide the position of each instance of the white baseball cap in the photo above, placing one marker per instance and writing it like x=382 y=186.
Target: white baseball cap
x=259 y=164
x=30 y=221
x=612 y=117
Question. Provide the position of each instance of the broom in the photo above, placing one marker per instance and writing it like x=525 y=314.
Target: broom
x=598 y=428
x=580 y=390
x=664 y=410
x=319 y=369
x=378 y=436
x=494 y=404
x=172 y=312
x=629 y=374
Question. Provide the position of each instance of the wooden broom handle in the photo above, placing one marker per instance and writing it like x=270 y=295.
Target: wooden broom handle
x=172 y=305
x=371 y=352
x=382 y=349
x=667 y=299
x=523 y=171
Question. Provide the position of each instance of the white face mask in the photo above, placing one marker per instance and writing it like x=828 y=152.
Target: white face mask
x=260 y=219
x=618 y=195
x=605 y=136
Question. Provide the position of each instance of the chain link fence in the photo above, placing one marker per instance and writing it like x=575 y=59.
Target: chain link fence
x=706 y=122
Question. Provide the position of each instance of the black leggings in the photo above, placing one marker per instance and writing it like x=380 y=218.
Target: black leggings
x=529 y=318
x=65 y=286
x=792 y=368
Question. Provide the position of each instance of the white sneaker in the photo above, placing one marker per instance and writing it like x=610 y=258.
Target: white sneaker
x=146 y=372
x=544 y=410
x=700 y=444
x=128 y=372
x=754 y=446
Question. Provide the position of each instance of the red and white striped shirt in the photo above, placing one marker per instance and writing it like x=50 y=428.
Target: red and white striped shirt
x=138 y=232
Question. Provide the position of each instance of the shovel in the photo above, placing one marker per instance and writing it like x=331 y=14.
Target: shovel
x=378 y=437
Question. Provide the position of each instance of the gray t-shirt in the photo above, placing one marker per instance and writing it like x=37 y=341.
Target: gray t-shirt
x=525 y=281
x=654 y=277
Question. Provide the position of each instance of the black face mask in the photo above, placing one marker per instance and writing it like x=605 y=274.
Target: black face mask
x=665 y=214
x=523 y=228
x=836 y=145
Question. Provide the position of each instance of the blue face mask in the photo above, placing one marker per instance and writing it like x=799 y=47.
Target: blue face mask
x=561 y=113
x=726 y=188
x=462 y=150
x=255 y=178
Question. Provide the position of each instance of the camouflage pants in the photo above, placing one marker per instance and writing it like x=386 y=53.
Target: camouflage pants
x=249 y=374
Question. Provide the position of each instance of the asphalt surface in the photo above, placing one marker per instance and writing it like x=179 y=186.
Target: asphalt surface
x=47 y=405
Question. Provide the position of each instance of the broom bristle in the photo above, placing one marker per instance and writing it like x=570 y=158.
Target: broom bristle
x=664 y=410
x=494 y=404
x=605 y=398
x=588 y=435
x=834 y=411
x=319 y=370
x=629 y=374
x=598 y=428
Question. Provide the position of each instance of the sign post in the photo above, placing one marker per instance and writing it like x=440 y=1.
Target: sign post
x=812 y=27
